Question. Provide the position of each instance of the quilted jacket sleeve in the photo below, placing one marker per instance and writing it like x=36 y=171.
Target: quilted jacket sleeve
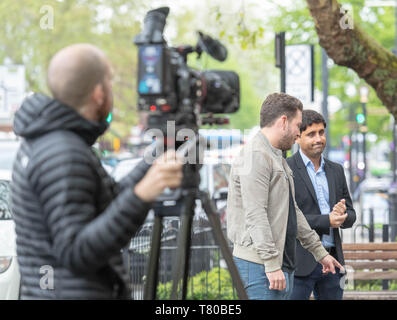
x=82 y=238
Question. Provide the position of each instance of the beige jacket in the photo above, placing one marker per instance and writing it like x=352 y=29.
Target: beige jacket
x=258 y=204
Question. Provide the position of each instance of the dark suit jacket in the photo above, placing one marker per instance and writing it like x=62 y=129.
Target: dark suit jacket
x=306 y=200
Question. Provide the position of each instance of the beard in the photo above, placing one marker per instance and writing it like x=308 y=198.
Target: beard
x=287 y=141
x=106 y=107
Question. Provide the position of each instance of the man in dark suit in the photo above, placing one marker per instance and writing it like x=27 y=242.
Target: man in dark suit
x=322 y=195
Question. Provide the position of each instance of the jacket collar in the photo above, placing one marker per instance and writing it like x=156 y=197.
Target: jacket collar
x=305 y=176
x=40 y=114
x=276 y=151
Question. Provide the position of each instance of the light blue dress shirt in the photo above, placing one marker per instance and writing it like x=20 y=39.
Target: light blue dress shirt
x=320 y=185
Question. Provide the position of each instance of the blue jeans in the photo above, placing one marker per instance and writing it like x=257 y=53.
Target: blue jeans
x=323 y=286
x=257 y=284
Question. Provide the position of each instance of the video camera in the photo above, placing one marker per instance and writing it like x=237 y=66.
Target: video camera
x=169 y=90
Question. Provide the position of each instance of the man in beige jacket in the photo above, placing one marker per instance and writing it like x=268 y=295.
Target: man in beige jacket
x=263 y=220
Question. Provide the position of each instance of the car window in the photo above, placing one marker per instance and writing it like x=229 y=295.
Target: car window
x=5 y=201
x=221 y=176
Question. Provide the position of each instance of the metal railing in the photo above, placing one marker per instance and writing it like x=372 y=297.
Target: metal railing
x=373 y=235
x=208 y=275
x=371 y=227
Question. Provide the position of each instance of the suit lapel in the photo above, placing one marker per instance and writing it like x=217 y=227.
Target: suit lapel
x=305 y=176
x=331 y=184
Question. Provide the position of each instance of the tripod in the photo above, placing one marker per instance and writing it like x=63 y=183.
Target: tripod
x=187 y=199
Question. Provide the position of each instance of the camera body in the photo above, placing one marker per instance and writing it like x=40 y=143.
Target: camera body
x=169 y=90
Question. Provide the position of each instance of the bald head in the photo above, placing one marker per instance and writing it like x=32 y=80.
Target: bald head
x=75 y=71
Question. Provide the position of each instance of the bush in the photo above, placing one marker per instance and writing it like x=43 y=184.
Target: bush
x=206 y=285
x=372 y=285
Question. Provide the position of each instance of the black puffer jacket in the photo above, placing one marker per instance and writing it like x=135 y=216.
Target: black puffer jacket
x=72 y=220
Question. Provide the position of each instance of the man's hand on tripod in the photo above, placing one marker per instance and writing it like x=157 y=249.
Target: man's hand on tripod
x=166 y=172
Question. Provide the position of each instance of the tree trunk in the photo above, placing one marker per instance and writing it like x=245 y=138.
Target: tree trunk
x=350 y=46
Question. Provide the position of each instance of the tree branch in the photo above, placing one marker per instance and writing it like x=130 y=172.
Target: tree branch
x=356 y=50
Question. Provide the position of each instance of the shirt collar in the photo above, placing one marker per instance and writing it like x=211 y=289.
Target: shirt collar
x=307 y=161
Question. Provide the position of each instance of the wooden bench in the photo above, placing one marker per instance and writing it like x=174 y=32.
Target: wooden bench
x=371 y=261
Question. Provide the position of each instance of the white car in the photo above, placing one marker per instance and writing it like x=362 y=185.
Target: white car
x=214 y=177
x=374 y=194
x=8 y=151
x=9 y=272
x=123 y=168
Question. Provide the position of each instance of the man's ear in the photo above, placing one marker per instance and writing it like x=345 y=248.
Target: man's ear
x=298 y=140
x=284 y=122
x=98 y=94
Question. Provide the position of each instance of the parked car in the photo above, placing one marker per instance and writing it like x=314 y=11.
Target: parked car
x=373 y=194
x=222 y=138
x=8 y=152
x=123 y=167
x=9 y=272
x=214 y=176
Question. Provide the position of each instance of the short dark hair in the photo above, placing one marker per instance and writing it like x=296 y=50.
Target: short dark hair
x=309 y=117
x=276 y=105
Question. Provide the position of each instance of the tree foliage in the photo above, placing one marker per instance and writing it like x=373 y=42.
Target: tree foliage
x=30 y=39
x=112 y=25
x=352 y=47
x=246 y=28
x=344 y=83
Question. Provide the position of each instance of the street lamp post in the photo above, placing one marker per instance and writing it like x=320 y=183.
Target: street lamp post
x=324 y=106
x=351 y=146
x=279 y=44
x=364 y=99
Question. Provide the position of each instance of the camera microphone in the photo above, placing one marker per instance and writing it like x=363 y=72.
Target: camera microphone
x=213 y=47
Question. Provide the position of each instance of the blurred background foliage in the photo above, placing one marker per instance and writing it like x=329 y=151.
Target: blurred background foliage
x=246 y=28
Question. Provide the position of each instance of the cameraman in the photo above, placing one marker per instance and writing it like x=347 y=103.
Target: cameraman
x=72 y=219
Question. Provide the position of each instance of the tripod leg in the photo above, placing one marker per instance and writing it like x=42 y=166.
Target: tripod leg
x=181 y=269
x=153 y=266
x=210 y=210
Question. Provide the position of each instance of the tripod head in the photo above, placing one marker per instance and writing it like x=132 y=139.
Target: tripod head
x=191 y=151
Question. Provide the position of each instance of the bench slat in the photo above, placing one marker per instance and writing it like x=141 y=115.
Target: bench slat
x=370 y=295
x=386 y=246
x=369 y=255
x=375 y=275
x=372 y=264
